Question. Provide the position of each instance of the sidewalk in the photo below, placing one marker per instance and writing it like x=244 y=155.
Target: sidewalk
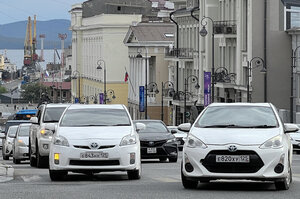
x=6 y=172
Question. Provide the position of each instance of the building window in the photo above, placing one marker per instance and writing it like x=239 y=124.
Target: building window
x=292 y=16
x=64 y=94
x=58 y=93
x=119 y=8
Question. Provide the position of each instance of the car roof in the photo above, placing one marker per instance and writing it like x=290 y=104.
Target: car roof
x=92 y=106
x=147 y=121
x=57 y=105
x=25 y=124
x=18 y=121
x=241 y=104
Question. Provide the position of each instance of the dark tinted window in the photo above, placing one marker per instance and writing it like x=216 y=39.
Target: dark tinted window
x=24 y=131
x=153 y=127
x=53 y=114
x=244 y=116
x=95 y=117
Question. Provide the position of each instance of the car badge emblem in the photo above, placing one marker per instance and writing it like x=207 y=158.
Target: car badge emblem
x=94 y=145
x=151 y=143
x=232 y=148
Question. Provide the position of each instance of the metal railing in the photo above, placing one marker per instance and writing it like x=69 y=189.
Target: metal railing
x=179 y=52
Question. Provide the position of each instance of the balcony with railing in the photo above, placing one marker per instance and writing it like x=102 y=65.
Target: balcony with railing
x=225 y=28
x=181 y=53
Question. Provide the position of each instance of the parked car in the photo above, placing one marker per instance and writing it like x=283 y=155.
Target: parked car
x=157 y=142
x=238 y=141
x=295 y=138
x=39 y=138
x=7 y=143
x=21 y=143
x=179 y=135
x=95 y=138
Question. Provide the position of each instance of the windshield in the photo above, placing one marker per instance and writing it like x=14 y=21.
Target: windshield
x=153 y=127
x=12 y=131
x=24 y=131
x=241 y=116
x=95 y=117
x=53 y=114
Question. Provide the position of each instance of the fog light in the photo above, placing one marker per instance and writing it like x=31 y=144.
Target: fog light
x=279 y=168
x=45 y=146
x=132 y=158
x=56 y=158
x=189 y=167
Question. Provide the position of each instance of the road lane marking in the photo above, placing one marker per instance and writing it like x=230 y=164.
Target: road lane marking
x=31 y=178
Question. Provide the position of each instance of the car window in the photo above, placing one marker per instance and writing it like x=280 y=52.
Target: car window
x=95 y=117
x=154 y=127
x=23 y=131
x=12 y=131
x=53 y=114
x=241 y=116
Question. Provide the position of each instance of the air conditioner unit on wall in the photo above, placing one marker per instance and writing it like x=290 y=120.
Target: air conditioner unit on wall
x=219 y=29
x=190 y=4
x=230 y=29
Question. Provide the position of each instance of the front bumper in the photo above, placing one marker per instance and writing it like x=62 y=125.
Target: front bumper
x=44 y=145
x=118 y=159
x=168 y=150
x=21 y=153
x=270 y=158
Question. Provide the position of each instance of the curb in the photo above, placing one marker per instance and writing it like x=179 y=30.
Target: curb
x=6 y=172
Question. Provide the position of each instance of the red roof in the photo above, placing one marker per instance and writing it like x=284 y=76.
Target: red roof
x=65 y=85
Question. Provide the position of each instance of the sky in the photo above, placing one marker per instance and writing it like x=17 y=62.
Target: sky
x=19 y=10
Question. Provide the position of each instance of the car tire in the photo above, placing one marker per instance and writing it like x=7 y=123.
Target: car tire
x=57 y=175
x=31 y=159
x=134 y=175
x=188 y=184
x=162 y=159
x=41 y=162
x=173 y=159
x=16 y=161
x=284 y=184
x=5 y=157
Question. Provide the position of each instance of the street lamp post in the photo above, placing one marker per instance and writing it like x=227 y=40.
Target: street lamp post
x=75 y=74
x=258 y=61
x=294 y=56
x=146 y=76
x=170 y=84
x=194 y=80
x=203 y=33
x=99 y=67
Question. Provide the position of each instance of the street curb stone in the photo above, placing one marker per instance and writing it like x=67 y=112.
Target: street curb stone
x=6 y=172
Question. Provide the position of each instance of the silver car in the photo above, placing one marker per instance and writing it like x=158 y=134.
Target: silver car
x=21 y=143
x=179 y=135
x=8 y=142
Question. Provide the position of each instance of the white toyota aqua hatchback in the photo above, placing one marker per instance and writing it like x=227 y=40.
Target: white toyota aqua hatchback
x=95 y=138
x=238 y=141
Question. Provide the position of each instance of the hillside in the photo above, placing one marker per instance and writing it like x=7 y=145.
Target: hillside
x=12 y=35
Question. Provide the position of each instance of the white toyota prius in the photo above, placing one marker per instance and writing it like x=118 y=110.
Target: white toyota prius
x=238 y=141
x=95 y=138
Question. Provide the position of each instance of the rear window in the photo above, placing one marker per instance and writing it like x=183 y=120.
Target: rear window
x=53 y=114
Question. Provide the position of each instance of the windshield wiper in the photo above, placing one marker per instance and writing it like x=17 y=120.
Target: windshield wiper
x=223 y=126
x=262 y=126
x=121 y=125
x=95 y=125
x=51 y=121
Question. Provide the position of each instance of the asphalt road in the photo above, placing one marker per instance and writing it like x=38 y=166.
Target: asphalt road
x=159 y=180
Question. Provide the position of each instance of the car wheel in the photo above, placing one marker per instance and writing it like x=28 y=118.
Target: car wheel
x=57 y=175
x=31 y=159
x=173 y=159
x=41 y=161
x=162 y=159
x=188 y=184
x=284 y=184
x=134 y=175
x=5 y=157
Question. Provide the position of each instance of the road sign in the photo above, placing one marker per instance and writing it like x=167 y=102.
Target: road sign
x=142 y=99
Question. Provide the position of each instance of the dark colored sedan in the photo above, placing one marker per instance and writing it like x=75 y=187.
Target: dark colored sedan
x=157 y=141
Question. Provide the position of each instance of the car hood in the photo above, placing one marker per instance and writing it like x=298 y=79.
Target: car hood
x=95 y=132
x=155 y=136
x=295 y=136
x=242 y=136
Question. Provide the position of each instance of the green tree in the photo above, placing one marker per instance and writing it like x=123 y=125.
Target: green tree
x=2 y=90
x=33 y=92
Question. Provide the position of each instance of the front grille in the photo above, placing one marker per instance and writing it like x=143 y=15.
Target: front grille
x=153 y=143
x=87 y=147
x=94 y=162
x=216 y=167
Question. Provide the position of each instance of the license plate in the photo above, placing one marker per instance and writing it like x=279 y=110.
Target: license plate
x=233 y=158
x=93 y=155
x=151 y=150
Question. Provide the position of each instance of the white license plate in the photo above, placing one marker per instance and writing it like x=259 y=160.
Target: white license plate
x=151 y=150
x=233 y=158
x=93 y=155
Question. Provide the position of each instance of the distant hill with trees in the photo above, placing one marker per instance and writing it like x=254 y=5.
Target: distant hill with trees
x=12 y=35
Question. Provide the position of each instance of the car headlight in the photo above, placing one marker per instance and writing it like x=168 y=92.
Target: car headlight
x=128 y=140
x=171 y=140
x=61 y=141
x=46 y=133
x=274 y=143
x=193 y=142
x=21 y=143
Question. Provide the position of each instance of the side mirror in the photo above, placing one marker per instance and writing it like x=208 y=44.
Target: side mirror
x=140 y=126
x=2 y=135
x=290 y=128
x=52 y=127
x=184 y=127
x=173 y=131
x=34 y=120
